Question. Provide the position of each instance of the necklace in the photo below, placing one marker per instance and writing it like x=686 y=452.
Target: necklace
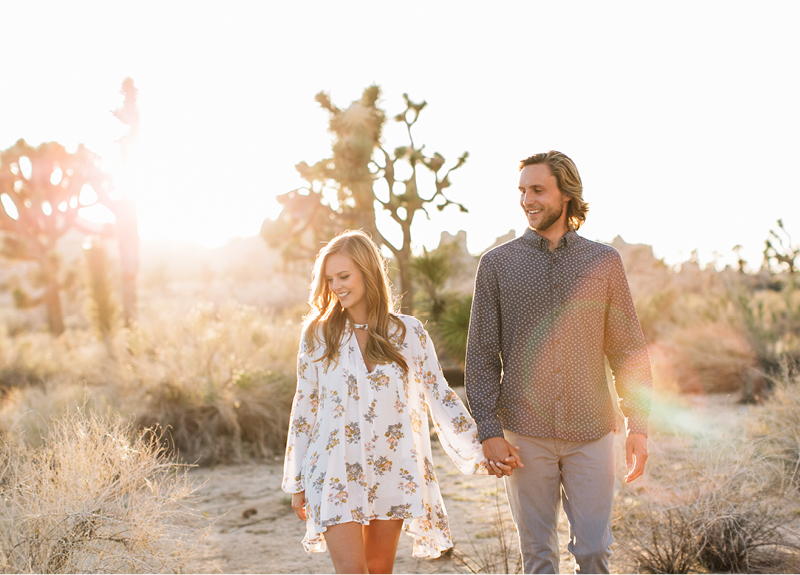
x=363 y=326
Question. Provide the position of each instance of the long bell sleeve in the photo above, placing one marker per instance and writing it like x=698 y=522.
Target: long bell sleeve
x=455 y=427
x=302 y=420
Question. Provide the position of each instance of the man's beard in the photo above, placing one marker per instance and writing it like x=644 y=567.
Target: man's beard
x=549 y=217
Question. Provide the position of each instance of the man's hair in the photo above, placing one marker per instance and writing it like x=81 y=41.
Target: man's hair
x=569 y=182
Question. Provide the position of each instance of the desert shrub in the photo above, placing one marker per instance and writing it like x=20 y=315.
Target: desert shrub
x=95 y=497
x=710 y=357
x=453 y=326
x=17 y=375
x=430 y=271
x=227 y=423
x=656 y=312
x=742 y=538
x=221 y=381
x=218 y=379
x=713 y=508
x=770 y=321
x=775 y=427
x=77 y=355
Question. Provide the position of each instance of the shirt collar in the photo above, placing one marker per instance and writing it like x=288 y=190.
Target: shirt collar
x=540 y=243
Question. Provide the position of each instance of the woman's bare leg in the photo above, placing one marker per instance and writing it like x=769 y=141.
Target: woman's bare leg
x=346 y=546
x=380 y=541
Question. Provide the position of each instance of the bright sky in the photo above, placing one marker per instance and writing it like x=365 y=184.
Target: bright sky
x=682 y=117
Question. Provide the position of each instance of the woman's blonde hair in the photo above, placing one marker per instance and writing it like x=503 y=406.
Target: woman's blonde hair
x=569 y=182
x=327 y=313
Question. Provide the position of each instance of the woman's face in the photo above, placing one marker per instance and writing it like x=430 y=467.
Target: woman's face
x=346 y=282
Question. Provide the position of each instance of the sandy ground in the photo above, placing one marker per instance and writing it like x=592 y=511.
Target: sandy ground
x=256 y=531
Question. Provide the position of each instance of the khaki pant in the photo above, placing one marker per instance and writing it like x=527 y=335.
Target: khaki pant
x=580 y=476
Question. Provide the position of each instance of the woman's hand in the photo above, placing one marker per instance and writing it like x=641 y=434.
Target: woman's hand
x=497 y=469
x=299 y=505
x=501 y=455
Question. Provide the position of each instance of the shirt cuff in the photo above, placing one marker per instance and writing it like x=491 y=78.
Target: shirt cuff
x=636 y=424
x=489 y=428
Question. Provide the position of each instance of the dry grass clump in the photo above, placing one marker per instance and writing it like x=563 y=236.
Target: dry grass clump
x=248 y=415
x=95 y=497
x=712 y=506
x=37 y=359
x=218 y=379
x=221 y=380
x=775 y=426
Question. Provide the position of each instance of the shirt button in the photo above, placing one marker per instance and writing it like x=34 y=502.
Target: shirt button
x=558 y=370
x=555 y=285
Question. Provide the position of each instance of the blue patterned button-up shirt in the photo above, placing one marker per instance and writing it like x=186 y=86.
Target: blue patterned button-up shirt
x=542 y=323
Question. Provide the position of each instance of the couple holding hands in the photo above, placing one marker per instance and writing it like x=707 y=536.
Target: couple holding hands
x=549 y=308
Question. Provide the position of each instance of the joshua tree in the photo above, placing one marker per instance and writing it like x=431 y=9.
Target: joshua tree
x=42 y=190
x=125 y=207
x=101 y=307
x=780 y=249
x=359 y=162
x=740 y=262
x=310 y=218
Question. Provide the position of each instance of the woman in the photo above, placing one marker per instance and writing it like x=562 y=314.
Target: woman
x=358 y=458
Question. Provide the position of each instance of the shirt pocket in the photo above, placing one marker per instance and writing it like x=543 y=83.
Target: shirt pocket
x=587 y=294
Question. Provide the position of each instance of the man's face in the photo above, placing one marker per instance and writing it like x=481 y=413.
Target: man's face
x=541 y=200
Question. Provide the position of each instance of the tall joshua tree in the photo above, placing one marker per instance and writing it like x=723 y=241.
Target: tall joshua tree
x=308 y=218
x=42 y=189
x=360 y=161
x=779 y=249
x=125 y=207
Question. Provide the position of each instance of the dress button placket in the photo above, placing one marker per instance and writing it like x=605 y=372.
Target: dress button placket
x=369 y=435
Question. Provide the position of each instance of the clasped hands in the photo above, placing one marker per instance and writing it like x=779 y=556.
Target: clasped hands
x=502 y=457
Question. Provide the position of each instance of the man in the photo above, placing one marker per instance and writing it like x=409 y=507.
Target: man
x=549 y=306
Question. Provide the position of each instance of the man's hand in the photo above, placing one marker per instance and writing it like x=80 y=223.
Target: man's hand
x=501 y=455
x=635 y=455
x=299 y=505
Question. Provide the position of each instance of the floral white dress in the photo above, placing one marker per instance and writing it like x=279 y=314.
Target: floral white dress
x=359 y=443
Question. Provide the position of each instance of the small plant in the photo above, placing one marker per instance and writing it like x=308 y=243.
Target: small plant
x=664 y=544
x=499 y=554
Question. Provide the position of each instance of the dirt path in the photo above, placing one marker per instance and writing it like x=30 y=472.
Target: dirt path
x=256 y=530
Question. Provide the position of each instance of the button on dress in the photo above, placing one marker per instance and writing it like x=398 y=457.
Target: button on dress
x=359 y=442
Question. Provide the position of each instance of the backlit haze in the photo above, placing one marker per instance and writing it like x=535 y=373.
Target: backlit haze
x=683 y=117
